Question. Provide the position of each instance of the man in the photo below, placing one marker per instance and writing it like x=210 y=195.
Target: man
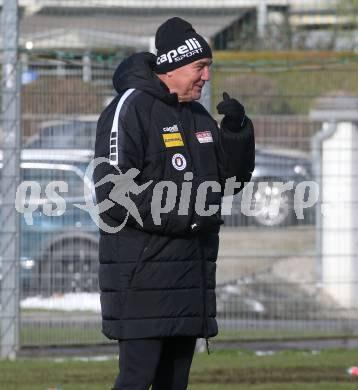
x=157 y=274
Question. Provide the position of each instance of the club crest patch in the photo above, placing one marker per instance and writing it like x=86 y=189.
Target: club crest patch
x=179 y=162
x=204 y=137
x=173 y=139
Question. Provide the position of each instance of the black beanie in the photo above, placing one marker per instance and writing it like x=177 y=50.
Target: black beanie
x=177 y=45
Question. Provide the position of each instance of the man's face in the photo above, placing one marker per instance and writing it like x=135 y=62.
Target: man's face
x=188 y=80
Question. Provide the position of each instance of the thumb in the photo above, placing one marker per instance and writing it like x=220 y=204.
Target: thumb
x=226 y=96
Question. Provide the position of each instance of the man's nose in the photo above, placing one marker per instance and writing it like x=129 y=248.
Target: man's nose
x=205 y=75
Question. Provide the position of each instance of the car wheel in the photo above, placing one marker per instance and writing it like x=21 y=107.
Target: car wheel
x=276 y=209
x=71 y=267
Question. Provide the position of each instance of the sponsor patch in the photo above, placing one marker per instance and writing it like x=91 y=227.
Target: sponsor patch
x=179 y=162
x=172 y=139
x=204 y=137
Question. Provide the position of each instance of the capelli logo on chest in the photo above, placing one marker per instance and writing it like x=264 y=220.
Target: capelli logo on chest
x=171 y=129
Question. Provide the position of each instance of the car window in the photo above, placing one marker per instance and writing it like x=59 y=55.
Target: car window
x=74 y=134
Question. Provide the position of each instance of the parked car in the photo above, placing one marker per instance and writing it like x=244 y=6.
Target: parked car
x=58 y=253
x=77 y=133
x=272 y=167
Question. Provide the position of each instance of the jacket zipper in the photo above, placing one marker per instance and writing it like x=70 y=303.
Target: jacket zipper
x=203 y=276
x=203 y=268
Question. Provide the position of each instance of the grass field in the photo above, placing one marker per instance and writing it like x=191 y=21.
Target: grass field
x=72 y=334
x=222 y=370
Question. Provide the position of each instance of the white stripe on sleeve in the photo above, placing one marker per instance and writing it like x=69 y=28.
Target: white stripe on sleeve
x=113 y=140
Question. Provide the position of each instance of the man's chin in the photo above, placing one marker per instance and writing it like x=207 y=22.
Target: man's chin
x=196 y=95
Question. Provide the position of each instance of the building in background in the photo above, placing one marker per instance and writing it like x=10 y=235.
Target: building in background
x=123 y=25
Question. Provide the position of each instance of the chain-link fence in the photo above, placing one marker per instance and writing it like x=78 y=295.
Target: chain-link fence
x=277 y=276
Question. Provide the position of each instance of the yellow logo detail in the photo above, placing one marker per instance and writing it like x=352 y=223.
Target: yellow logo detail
x=173 y=139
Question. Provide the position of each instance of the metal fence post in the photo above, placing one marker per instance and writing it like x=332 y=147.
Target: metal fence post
x=261 y=18
x=9 y=218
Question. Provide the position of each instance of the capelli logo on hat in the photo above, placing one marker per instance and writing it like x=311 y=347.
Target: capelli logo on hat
x=191 y=47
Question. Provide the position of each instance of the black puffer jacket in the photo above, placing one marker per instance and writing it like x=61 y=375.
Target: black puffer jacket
x=159 y=280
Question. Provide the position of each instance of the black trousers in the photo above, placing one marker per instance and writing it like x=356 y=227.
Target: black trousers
x=163 y=363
